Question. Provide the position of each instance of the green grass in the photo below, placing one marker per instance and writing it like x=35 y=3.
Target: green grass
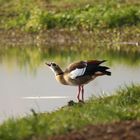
x=33 y=16
x=125 y=105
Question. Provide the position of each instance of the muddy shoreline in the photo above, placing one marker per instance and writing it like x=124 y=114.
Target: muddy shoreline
x=124 y=130
x=124 y=36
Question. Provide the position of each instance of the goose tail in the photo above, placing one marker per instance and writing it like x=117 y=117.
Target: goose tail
x=104 y=70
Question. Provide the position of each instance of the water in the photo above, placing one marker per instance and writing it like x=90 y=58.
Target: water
x=27 y=83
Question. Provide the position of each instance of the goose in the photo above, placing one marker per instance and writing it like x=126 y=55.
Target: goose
x=79 y=74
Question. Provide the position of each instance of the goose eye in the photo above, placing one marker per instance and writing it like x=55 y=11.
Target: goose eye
x=53 y=64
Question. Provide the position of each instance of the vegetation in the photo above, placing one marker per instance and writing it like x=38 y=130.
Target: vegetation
x=124 y=105
x=31 y=15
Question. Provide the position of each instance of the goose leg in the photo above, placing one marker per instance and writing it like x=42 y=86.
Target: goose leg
x=82 y=88
x=78 y=96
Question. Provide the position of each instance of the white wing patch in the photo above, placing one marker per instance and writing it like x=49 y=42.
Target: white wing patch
x=77 y=72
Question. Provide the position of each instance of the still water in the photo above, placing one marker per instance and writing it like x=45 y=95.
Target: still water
x=23 y=74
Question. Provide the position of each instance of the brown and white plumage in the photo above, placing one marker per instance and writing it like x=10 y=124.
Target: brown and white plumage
x=79 y=74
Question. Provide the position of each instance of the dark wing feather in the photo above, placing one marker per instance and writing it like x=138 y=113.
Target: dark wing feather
x=93 y=66
x=95 y=62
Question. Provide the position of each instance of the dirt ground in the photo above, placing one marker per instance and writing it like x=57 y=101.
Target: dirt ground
x=125 y=130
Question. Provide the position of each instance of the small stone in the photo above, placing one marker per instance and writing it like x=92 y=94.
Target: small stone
x=71 y=103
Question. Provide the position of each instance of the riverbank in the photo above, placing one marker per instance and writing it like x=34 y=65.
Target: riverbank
x=121 y=107
x=112 y=38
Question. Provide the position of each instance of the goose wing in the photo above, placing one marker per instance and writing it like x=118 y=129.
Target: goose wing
x=82 y=68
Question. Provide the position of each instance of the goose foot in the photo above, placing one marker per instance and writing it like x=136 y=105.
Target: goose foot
x=81 y=101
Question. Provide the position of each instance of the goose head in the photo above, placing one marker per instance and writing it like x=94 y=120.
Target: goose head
x=55 y=68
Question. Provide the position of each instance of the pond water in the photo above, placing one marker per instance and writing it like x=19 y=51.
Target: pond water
x=23 y=74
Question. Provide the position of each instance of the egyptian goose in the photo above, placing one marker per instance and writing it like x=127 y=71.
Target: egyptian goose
x=79 y=74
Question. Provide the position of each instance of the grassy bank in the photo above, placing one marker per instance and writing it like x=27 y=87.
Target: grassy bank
x=34 y=16
x=125 y=105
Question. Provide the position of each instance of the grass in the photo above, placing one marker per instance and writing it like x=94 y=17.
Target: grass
x=33 y=16
x=124 y=105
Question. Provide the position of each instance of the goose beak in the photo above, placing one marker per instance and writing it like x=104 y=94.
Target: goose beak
x=48 y=64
